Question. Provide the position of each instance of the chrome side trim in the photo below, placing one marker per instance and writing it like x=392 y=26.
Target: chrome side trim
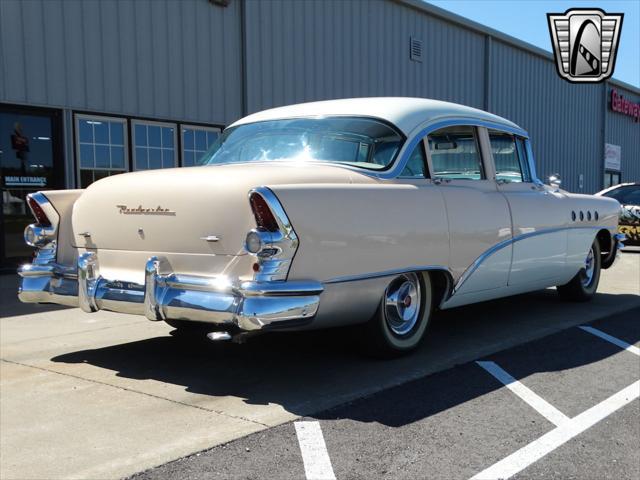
x=388 y=273
x=505 y=243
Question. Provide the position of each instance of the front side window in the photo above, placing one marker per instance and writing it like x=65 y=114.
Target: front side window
x=153 y=145
x=101 y=147
x=508 y=157
x=455 y=154
x=355 y=141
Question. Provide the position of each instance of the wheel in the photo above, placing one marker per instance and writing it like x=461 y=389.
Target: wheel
x=583 y=286
x=402 y=317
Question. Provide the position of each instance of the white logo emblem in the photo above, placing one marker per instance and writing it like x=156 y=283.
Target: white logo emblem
x=585 y=42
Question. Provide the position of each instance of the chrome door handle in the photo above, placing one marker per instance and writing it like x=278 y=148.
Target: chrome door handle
x=210 y=238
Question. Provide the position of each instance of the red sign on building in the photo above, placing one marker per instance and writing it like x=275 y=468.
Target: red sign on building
x=624 y=105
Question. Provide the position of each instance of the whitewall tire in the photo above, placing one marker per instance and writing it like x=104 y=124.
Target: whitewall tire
x=402 y=317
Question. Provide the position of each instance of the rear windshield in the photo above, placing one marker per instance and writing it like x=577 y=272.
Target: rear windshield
x=356 y=141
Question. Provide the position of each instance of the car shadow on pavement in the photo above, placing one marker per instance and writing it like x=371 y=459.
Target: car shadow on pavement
x=16 y=309
x=308 y=372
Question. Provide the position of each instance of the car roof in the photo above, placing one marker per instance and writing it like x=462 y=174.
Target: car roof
x=405 y=113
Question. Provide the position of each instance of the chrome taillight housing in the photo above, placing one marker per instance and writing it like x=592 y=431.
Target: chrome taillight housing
x=43 y=233
x=273 y=242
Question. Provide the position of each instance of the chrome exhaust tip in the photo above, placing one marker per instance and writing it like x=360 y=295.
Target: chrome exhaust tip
x=219 y=336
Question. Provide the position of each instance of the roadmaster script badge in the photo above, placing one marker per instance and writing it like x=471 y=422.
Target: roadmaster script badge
x=585 y=42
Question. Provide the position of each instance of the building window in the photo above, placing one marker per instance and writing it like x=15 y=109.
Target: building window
x=153 y=145
x=195 y=142
x=101 y=144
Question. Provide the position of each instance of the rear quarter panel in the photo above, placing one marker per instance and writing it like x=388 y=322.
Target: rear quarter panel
x=350 y=230
x=63 y=202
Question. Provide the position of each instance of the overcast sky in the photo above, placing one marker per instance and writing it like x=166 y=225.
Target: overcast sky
x=527 y=20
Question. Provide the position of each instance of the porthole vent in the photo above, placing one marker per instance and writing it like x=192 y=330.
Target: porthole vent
x=415 y=52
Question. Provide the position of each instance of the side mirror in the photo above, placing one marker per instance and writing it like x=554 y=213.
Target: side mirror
x=555 y=181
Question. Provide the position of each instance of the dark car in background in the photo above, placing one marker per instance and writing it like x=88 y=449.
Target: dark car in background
x=628 y=194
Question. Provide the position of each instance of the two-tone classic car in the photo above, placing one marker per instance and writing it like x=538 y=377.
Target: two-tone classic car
x=371 y=211
x=628 y=194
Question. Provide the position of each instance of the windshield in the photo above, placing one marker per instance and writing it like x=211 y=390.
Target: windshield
x=361 y=142
x=626 y=195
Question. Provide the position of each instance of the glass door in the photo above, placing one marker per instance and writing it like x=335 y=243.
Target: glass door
x=30 y=160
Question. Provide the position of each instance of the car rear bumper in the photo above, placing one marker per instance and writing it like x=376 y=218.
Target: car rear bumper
x=169 y=296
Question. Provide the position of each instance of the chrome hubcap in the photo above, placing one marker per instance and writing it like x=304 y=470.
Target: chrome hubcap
x=402 y=303
x=589 y=269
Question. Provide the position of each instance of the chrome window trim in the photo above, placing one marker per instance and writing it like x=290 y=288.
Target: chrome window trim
x=431 y=126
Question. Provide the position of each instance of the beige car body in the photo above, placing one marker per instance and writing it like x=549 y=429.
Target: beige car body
x=170 y=244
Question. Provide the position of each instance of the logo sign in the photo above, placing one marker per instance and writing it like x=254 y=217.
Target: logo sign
x=19 y=181
x=140 y=210
x=585 y=42
x=624 y=105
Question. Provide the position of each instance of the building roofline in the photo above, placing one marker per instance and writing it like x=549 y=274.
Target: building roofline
x=451 y=17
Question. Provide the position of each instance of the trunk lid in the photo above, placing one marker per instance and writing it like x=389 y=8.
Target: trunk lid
x=174 y=210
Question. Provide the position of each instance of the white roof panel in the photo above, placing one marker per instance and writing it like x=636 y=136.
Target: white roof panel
x=404 y=112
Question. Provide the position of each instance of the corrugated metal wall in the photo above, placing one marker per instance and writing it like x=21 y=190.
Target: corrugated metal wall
x=623 y=130
x=175 y=59
x=564 y=120
x=183 y=60
x=311 y=50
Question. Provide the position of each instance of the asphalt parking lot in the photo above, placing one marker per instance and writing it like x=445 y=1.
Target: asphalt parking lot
x=109 y=395
x=459 y=422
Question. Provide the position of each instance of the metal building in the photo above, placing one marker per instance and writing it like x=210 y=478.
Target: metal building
x=93 y=88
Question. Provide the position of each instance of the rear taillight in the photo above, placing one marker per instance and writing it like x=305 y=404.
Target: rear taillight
x=38 y=213
x=263 y=214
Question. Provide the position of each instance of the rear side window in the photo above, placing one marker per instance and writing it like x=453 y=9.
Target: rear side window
x=455 y=154
x=415 y=167
x=509 y=157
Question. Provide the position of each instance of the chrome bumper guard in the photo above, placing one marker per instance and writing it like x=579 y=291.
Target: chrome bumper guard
x=246 y=305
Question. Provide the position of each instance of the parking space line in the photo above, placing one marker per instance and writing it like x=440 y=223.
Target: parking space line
x=521 y=459
x=616 y=341
x=317 y=464
x=543 y=407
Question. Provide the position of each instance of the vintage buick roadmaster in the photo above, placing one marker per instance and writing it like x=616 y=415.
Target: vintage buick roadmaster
x=359 y=211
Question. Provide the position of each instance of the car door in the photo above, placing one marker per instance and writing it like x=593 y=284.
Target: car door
x=478 y=214
x=539 y=214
